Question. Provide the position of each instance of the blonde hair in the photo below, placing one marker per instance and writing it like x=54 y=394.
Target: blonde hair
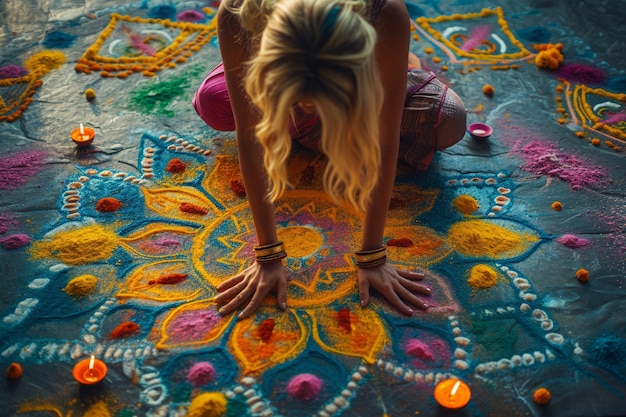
x=322 y=52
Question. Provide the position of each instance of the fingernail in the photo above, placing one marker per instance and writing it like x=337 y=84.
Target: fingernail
x=411 y=312
x=426 y=305
x=240 y=316
x=362 y=303
x=284 y=306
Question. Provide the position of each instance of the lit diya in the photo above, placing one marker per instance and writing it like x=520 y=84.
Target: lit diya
x=90 y=371
x=82 y=136
x=452 y=393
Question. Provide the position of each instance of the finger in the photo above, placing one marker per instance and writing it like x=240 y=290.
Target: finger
x=228 y=294
x=364 y=292
x=281 y=294
x=416 y=287
x=255 y=302
x=412 y=275
x=394 y=299
x=408 y=296
x=231 y=282
x=237 y=301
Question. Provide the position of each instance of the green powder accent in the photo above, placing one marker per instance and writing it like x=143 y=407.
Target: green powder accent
x=496 y=338
x=158 y=99
x=236 y=408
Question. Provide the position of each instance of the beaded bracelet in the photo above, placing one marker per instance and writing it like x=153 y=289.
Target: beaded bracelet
x=270 y=253
x=371 y=258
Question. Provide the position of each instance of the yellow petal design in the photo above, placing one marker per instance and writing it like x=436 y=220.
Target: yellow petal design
x=350 y=331
x=144 y=283
x=159 y=239
x=192 y=324
x=265 y=340
x=495 y=239
x=171 y=202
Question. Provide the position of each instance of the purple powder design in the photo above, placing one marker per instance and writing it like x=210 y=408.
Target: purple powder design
x=573 y=241
x=16 y=169
x=193 y=325
x=12 y=71
x=201 y=373
x=15 y=241
x=579 y=73
x=546 y=159
x=304 y=387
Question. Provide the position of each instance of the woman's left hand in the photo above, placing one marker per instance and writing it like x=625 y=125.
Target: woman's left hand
x=397 y=286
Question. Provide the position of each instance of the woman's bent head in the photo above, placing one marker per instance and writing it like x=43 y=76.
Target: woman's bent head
x=320 y=53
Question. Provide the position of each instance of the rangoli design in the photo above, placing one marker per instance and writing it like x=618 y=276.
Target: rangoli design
x=154 y=277
x=127 y=267
x=134 y=44
x=475 y=38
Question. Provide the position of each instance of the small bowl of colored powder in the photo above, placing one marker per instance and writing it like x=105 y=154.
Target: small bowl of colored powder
x=480 y=131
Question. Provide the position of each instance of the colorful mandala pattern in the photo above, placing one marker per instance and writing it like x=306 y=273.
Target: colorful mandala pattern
x=133 y=44
x=324 y=328
x=476 y=38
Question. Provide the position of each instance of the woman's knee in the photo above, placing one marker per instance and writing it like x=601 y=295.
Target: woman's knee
x=212 y=102
x=453 y=121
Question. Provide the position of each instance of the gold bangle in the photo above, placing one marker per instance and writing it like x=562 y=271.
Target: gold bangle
x=366 y=256
x=267 y=250
x=372 y=264
x=271 y=258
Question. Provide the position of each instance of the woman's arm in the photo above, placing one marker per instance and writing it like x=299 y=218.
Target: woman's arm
x=259 y=279
x=392 y=59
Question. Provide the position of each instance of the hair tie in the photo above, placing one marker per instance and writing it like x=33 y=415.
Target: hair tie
x=331 y=18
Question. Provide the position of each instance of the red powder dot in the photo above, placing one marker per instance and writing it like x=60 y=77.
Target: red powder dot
x=265 y=330
x=343 y=319
x=402 y=242
x=108 y=204
x=237 y=187
x=176 y=166
x=123 y=330
x=193 y=209
x=304 y=387
x=169 y=279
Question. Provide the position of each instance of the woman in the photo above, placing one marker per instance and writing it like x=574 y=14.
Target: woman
x=331 y=74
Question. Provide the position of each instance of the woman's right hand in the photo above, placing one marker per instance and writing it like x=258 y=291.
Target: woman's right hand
x=250 y=287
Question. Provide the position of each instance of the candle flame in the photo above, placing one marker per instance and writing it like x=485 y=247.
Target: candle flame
x=82 y=129
x=91 y=361
x=455 y=388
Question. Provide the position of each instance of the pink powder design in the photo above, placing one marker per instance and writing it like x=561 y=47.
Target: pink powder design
x=193 y=325
x=15 y=241
x=167 y=242
x=573 y=241
x=417 y=348
x=16 y=169
x=477 y=36
x=615 y=118
x=579 y=73
x=304 y=387
x=12 y=71
x=190 y=16
x=545 y=159
x=201 y=373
